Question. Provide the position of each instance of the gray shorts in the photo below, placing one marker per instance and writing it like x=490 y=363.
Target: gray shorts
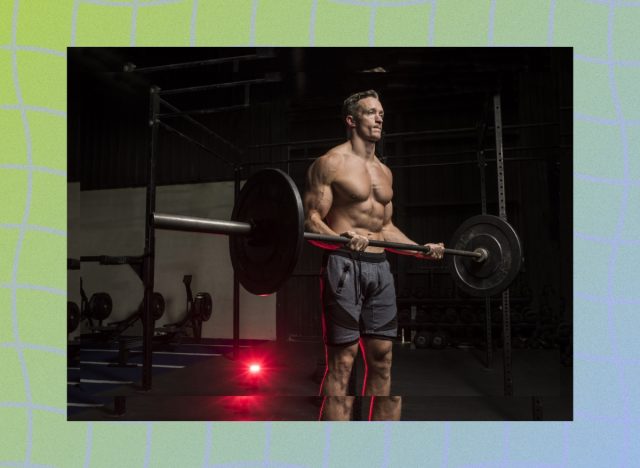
x=358 y=297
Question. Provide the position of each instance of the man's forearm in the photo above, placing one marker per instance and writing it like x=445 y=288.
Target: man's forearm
x=393 y=234
x=313 y=223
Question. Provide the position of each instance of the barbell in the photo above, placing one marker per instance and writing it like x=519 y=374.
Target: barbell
x=266 y=232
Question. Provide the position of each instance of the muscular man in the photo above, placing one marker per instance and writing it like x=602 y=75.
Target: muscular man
x=349 y=193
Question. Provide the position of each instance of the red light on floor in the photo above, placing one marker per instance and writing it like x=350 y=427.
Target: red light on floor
x=254 y=368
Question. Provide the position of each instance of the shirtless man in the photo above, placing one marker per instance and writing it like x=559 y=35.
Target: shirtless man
x=349 y=193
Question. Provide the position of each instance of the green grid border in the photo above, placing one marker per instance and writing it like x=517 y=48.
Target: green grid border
x=34 y=35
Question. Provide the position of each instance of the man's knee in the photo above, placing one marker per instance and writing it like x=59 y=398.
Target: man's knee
x=381 y=368
x=380 y=363
x=340 y=362
x=340 y=366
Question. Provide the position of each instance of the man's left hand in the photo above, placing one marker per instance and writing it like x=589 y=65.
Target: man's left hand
x=436 y=253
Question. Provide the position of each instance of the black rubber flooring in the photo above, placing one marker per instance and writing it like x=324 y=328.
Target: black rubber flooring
x=204 y=382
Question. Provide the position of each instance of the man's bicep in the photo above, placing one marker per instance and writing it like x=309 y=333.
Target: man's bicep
x=318 y=196
x=317 y=200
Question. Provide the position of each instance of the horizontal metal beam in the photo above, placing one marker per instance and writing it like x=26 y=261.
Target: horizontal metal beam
x=388 y=136
x=431 y=164
x=113 y=260
x=270 y=78
x=194 y=224
x=130 y=67
x=211 y=110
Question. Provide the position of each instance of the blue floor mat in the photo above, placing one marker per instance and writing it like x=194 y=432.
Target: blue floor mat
x=99 y=372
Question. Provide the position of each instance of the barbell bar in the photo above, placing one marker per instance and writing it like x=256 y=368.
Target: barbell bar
x=480 y=254
x=266 y=233
x=236 y=228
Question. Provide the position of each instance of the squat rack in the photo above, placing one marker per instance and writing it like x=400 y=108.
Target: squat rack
x=156 y=101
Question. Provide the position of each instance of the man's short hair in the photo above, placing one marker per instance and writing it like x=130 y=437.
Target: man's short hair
x=350 y=105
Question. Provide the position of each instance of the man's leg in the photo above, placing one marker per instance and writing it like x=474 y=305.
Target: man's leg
x=377 y=353
x=336 y=406
x=385 y=408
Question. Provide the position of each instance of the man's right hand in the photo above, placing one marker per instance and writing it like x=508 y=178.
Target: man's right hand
x=357 y=242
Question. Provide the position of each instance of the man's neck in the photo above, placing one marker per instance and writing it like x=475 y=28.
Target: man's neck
x=363 y=148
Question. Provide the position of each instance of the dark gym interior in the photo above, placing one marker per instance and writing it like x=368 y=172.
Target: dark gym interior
x=453 y=118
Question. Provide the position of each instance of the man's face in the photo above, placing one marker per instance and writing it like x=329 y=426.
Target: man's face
x=368 y=121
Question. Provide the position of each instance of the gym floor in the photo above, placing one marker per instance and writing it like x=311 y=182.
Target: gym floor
x=202 y=382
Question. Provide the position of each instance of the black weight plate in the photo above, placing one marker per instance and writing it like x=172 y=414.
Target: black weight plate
x=100 y=306
x=490 y=265
x=203 y=306
x=439 y=340
x=157 y=306
x=422 y=339
x=264 y=260
x=73 y=316
x=501 y=267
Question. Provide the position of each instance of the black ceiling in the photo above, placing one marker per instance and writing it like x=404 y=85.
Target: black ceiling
x=423 y=88
x=314 y=73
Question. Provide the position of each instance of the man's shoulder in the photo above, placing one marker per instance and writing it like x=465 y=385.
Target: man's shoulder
x=325 y=168
x=332 y=159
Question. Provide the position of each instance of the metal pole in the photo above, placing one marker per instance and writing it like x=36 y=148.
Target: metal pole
x=149 y=244
x=497 y=109
x=488 y=333
x=236 y=282
x=482 y=164
x=502 y=208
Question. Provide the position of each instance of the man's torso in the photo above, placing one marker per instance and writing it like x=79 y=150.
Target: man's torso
x=361 y=190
